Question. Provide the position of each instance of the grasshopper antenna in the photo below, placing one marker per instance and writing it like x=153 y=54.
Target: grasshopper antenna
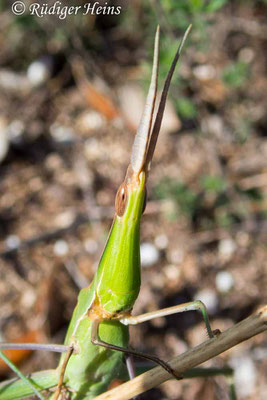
x=141 y=140
x=159 y=116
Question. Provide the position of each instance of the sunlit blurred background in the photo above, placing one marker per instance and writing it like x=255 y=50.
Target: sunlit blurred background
x=71 y=94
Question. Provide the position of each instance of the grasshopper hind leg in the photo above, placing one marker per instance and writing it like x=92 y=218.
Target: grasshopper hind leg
x=196 y=305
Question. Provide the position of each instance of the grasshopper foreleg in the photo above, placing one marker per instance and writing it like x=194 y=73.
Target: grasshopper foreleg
x=62 y=372
x=58 y=348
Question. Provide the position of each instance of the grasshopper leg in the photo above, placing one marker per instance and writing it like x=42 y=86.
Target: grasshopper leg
x=97 y=341
x=191 y=306
x=62 y=372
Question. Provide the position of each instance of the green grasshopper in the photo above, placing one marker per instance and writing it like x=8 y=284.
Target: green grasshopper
x=98 y=334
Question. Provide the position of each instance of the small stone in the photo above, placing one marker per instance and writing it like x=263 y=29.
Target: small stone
x=132 y=101
x=226 y=249
x=53 y=162
x=12 y=242
x=91 y=120
x=161 y=241
x=245 y=376
x=213 y=125
x=28 y=298
x=15 y=131
x=39 y=71
x=224 y=281
x=4 y=144
x=176 y=256
x=259 y=353
x=61 y=248
x=204 y=72
x=158 y=281
x=247 y=55
x=172 y=272
x=93 y=150
x=243 y=239
x=158 y=322
x=62 y=134
x=90 y=246
x=64 y=219
x=170 y=122
x=209 y=298
x=149 y=254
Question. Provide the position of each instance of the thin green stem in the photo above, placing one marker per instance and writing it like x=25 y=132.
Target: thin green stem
x=21 y=375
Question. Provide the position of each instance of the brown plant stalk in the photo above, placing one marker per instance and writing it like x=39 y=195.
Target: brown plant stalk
x=244 y=330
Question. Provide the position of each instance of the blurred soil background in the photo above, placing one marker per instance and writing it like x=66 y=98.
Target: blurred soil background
x=71 y=95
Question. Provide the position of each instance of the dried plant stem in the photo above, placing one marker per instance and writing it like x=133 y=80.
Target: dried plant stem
x=244 y=330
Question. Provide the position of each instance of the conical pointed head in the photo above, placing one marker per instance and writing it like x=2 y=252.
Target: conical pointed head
x=145 y=142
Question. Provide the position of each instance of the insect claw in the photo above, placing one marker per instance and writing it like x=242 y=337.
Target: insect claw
x=216 y=332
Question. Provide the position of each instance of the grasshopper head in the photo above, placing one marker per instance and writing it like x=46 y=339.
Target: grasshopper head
x=146 y=137
x=118 y=280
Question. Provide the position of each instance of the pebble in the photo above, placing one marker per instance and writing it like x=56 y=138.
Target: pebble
x=158 y=281
x=15 y=131
x=214 y=126
x=61 y=248
x=64 y=219
x=204 y=72
x=149 y=254
x=226 y=249
x=246 y=54
x=224 y=281
x=53 y=162
x=4 y=144
x=242 y=239
x=62 y=134
x=172 y=272
x=91 y=120
x=14 y=82
x=39 y=71
x=90 y=246
x=93 y=149
x=245 y=376
x=209 y=298
x=28 y=298
x=161 y=241
x=176 y=256
x=132 y=101
x=12 y=242
x=259 y=353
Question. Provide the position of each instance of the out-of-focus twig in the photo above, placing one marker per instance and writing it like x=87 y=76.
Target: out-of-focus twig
x=102 y=212
x=251 y=27
x=255 y=181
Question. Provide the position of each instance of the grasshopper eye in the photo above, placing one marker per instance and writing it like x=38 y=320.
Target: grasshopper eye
x=121 y=200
